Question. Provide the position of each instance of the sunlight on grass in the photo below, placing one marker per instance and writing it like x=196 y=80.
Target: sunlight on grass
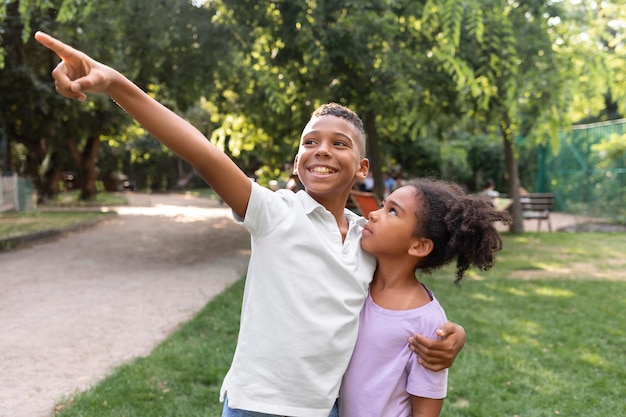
x=594 y=359
x=524 y=332
x=23 y=223
x=531 y=267
x=461 y=403
x=554 y=292
x=518 y=339
x=548 y=266
x=521 y=239
x=576 y=251
x=474 y=275
x=482 y=297
x=516 y=291
x=71 y=199
x=529 y=327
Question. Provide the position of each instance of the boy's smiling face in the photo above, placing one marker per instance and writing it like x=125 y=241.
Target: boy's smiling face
x=331 y=156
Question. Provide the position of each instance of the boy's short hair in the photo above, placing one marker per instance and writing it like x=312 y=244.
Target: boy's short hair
x=337 y=110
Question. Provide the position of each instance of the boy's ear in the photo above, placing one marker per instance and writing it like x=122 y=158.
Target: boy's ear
x=295 y=165
x=421 y=247
x=364 y=168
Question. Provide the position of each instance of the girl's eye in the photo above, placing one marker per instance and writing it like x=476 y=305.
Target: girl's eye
x=393 y=211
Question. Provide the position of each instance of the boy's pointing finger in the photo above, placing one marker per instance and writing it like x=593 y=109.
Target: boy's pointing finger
x=62 y=50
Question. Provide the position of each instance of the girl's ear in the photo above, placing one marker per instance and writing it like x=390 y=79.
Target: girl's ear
x=421 y=247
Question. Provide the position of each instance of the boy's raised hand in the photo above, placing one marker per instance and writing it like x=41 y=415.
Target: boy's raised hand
x=439 y=354
x=77 y=73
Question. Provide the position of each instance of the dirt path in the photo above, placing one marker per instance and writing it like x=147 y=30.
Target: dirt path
x=74 y=308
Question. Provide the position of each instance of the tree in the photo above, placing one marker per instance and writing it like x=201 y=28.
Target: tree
x=498 y=56
x=161 y=46
x=298 y=56
x=28 y=110
x=423 y=75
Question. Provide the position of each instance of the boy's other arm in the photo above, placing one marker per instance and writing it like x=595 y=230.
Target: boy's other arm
x=438 y=354
x=78 y=73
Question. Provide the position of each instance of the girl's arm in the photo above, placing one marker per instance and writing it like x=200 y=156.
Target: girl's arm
x=426 y=407
x=78 y=73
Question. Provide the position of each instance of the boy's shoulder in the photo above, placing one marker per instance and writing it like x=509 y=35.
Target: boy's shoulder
x=300 y=201
x=281 y=199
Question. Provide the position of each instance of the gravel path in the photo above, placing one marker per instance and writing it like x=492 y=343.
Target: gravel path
x=76 y=307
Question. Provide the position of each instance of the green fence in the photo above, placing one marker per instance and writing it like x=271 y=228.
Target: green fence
x=588 y=174
x=16 y=193
x=26 y=195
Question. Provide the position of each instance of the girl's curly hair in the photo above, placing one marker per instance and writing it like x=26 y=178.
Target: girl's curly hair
x=461 y=226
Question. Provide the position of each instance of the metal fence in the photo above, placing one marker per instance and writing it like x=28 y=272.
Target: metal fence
x=8 y=193
x=16 y=194
x=588 y=174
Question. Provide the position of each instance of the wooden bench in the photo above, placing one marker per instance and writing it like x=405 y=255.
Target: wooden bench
x=363 y=202
x=536 y=206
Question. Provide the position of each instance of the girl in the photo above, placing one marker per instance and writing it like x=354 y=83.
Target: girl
x=421 y=226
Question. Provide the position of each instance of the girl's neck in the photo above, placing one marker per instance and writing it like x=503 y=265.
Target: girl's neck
x=395 y=271
x=397 y=288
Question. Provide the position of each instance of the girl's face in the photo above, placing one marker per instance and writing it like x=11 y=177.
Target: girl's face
x=390 y=230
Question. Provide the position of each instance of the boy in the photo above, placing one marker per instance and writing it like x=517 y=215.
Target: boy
x=307 y=278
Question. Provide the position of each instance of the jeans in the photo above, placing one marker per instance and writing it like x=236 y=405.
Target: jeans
x=231 y=412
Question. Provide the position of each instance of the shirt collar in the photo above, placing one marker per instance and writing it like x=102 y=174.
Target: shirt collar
x=310 y=204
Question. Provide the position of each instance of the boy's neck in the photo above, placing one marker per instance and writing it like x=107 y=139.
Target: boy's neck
x=336 y=206
x=335 y=203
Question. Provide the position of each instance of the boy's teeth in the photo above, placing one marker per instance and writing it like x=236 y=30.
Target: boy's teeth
x=322 y=170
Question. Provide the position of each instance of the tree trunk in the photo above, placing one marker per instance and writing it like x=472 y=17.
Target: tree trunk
x=513 y=185
x=373 y=153
x=52 y=176
x=86 y=163
x=6 y=151
x=34 y=161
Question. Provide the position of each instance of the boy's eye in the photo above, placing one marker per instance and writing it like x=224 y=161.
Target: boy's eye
x=340 y=143
x=393 y=211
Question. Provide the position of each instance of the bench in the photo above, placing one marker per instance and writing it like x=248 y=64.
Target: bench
x=363 y=202
x=536 y=206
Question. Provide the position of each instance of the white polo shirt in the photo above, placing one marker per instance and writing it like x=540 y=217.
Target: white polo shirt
x=299 y=319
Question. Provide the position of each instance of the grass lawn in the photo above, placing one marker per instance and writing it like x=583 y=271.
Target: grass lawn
x=71 y=199
x=17 y=224
x=14 y=225
x=545 y=336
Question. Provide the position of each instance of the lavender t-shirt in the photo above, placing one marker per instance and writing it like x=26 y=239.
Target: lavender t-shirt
x=383 y=371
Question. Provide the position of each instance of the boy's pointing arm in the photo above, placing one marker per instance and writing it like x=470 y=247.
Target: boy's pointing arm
x=78 y=74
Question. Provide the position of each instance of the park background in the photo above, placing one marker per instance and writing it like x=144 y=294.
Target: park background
x=528 y=93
